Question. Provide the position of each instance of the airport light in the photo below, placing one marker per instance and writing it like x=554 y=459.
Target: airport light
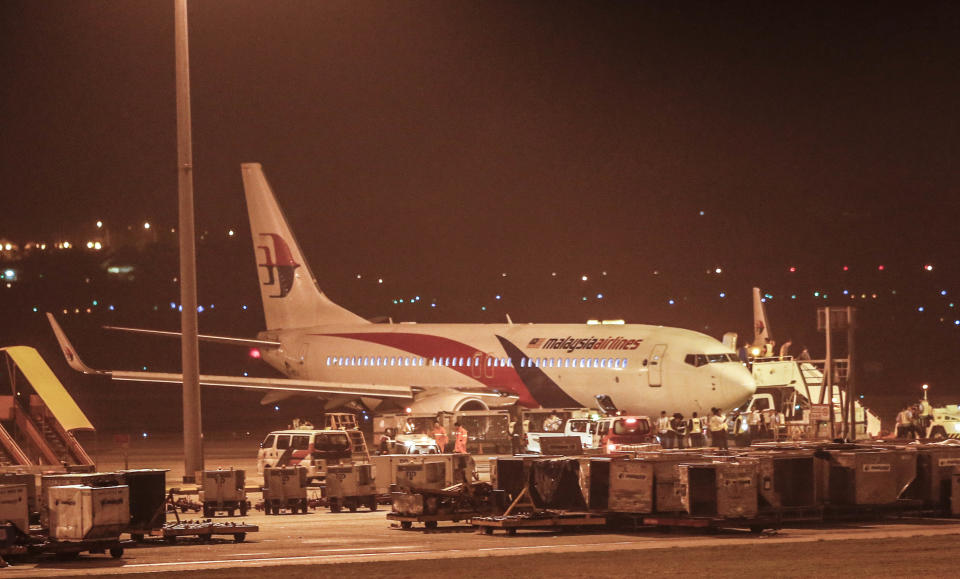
x=99 y=224
x=146 y=225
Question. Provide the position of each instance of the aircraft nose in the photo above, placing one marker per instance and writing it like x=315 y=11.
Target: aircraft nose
x=740 y=384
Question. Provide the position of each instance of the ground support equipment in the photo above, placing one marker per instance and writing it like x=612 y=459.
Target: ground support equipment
x=72 y=549
x=540 y=521
x=203 y=530
x=755 y=524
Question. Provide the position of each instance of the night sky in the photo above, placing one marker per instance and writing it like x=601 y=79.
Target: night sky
x=439 y=145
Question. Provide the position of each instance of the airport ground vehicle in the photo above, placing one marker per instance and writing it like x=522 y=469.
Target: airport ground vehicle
x=412 y=433
x=556 y=422
x=312 y=449
x=618 y=431
x=945 y=423
x=791 y=387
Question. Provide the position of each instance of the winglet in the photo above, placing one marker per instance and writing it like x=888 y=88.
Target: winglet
x=69 y=352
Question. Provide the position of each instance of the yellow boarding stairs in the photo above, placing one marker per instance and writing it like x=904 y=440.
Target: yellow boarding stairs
x=36 y=428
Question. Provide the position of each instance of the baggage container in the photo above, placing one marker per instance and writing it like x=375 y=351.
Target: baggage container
x=935 y=465
x=459 y=467
x=955 y=492
x=555 y=484
x=83 y=513
x=351 y=487
x=224 y=490
x=787 y=479
x=94 y=479
x=720 y=489
x=148 y=499
x=15 y=506
x=285 y=487
x=511 y=474
x=630 y=486
x=29 y=480
x=666 y=498
x=869 y=476
x=429 y=474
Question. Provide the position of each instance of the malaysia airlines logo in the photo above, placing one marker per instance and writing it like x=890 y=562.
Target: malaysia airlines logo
x=571 y=344
x=279 y=265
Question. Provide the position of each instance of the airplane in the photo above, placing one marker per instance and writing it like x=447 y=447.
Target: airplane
x=325 y=350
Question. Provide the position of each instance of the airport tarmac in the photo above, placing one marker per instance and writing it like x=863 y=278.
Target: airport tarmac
x=321 y=537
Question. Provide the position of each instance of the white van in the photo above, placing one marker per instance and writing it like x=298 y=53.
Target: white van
x=313 y=449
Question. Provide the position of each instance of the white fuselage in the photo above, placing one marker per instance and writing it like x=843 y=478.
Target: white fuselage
x=644 y=369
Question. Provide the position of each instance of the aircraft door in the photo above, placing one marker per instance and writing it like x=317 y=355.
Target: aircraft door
x=655 y=365
x=476 y=365
x=488 y=365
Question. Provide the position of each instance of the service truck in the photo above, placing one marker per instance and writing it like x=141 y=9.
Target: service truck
x=539 y=423
x=792 y=388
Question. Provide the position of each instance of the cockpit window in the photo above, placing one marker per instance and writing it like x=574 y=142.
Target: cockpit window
x=698 y=360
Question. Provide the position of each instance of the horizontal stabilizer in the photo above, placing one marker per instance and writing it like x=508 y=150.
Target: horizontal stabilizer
x=205 y=337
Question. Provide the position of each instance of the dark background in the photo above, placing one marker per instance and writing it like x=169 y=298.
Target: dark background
x=439 y=145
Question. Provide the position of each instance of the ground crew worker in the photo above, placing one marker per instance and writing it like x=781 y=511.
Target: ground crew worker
x=695 y=428
x=517 y=437
x=679 y=427
x=440 y=435
x=718 y=429
x=663 y=430
x=753 y=424
x=905 y=424
x=460 y=438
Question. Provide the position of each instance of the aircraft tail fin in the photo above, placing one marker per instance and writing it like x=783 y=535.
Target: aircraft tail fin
x=761 y=328
x=291 y=297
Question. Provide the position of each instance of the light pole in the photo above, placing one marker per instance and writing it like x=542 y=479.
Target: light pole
x=192 y=432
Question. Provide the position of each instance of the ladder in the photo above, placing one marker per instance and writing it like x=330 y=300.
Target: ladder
x=358 y=446
x=341 y=421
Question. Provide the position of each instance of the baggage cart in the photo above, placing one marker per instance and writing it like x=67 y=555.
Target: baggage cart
x=224 y=490
x=285 y=487
x=204 y=531
x=540 y=521
x=351 y=487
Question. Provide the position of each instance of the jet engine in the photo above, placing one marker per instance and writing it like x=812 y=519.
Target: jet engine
x=453 y=401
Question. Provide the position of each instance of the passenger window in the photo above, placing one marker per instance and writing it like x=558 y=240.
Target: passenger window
x=300 y=442
x=283 y=442
x=267 y=442
x=624 y=365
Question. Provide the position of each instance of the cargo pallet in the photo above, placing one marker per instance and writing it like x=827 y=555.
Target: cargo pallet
x=203 y=530
x=854 y=512
x=430 y=522
x=540 y=521
x=755 y=524
x=72 y=549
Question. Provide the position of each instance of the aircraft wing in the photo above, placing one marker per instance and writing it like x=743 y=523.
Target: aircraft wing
x=287 y=384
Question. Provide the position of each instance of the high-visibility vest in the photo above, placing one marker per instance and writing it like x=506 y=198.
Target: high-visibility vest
x=695 y=426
